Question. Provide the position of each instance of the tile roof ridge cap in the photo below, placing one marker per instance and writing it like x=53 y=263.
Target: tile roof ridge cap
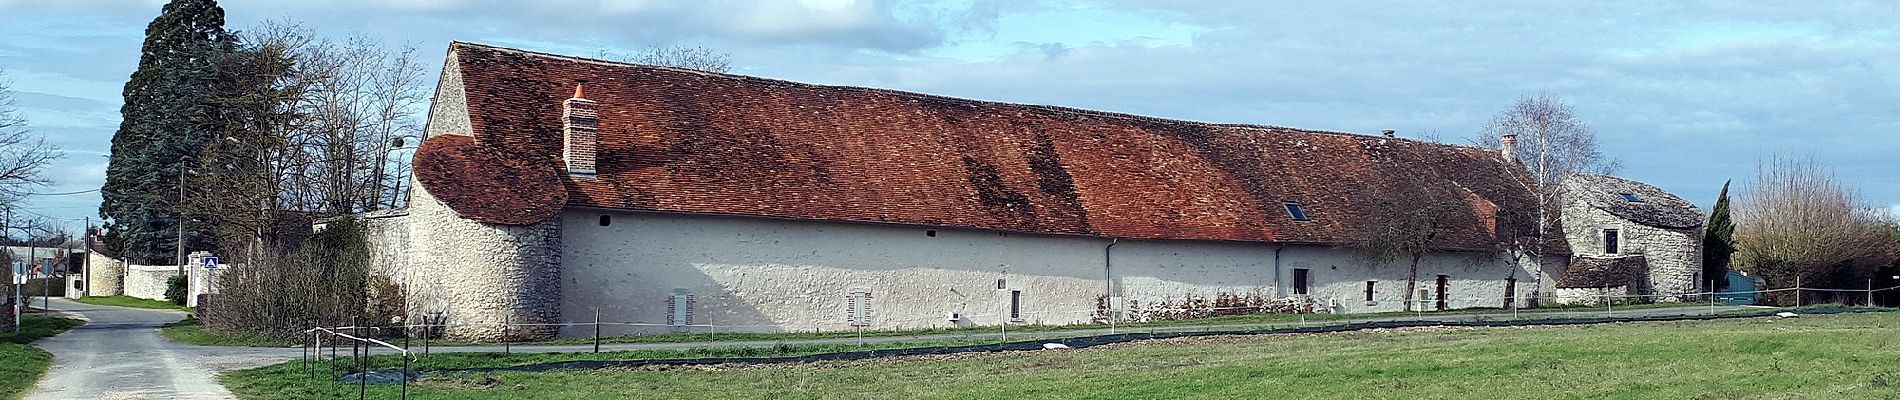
x=456 y=44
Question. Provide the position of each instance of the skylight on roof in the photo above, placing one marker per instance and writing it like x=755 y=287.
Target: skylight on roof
x=1297 y=211
x=1631 y=197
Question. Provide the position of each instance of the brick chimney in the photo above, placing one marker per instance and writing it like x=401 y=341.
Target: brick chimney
x=581 y=123
x=1508 y=147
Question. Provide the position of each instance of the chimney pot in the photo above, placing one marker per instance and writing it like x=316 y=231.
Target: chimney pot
x=1507 y=147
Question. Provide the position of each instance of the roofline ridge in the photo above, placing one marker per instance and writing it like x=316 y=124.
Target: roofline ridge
x=1074 y=111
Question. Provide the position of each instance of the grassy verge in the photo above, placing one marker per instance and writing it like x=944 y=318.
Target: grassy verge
x=133 y=302
x=1853 y=356
x=290 y=381
x=20 y=364
x=191 y=332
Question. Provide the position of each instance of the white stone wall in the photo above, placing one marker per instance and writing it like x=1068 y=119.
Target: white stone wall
x=448 y=110
x=1675 y=255
x=148 y=281
x=478 y=275
x=107 y=277
x=771 y=274
x=1592 y=296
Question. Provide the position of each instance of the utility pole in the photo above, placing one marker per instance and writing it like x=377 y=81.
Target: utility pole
x=180 y=212
x=5 y=231
x=85 y=272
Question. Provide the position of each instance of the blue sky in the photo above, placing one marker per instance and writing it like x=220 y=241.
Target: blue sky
x=1686 y=94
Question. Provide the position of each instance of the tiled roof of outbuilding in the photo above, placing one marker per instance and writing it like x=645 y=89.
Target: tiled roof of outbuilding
x=686 y=141
x=1654 y=206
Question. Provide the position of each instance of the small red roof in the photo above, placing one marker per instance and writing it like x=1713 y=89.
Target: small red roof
x=686 y=141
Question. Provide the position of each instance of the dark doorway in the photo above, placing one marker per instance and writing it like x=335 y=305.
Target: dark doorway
x=1300 y=281
x=1444 y=292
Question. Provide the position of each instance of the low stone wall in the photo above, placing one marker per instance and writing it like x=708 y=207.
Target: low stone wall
x=1591 y=296
x=148 y=281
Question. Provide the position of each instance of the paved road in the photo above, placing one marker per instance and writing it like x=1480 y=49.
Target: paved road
x=119 y=354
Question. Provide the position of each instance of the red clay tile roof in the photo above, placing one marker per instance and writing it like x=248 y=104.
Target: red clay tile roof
x=484 y=184
x=686 y=141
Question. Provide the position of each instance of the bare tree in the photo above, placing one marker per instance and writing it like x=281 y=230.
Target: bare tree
x=688 y=57
x=1552 y=142
x=1415 y=209
x=361 y=98
x=1797 y=221
x=23 y=155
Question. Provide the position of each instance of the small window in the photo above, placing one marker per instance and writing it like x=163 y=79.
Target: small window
x=1297 y=211
x=1631 y=197
x=931 y=233
x=1002 y=284
x=1369 y=286
x=1611 y=237
x=606 y=220
x=1015 y=305
x=1300 y=281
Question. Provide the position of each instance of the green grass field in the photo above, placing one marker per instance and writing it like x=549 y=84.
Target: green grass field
x=133 y=302
x=20 y=364
x=1844 y=356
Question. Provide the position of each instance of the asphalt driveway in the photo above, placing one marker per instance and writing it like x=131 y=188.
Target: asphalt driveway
x=119 y=354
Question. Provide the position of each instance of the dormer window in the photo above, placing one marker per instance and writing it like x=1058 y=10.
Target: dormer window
x=1631 y=197
x=1296 y=211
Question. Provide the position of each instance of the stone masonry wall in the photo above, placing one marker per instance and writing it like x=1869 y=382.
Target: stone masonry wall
x=148 y=281
x=107 y=277
x=480 y=275
x=1675 y=255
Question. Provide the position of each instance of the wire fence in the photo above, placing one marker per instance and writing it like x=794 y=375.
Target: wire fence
x=1105 y=321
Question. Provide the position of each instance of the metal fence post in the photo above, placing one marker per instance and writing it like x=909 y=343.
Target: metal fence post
x=1870 y=292
x=332 y=363
x=362 y=373
x=596 y=329
x=506 y=347
x=1797 y=291
x=405 y=375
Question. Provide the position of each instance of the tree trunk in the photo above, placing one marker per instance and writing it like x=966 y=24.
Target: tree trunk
x=1411 y=281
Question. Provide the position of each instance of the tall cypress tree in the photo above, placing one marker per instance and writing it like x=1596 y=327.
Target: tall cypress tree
x=1718 y=242
x=168 y=116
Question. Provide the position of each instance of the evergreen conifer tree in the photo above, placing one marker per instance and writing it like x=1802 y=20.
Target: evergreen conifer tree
x=1718 y=242
x=168 y=116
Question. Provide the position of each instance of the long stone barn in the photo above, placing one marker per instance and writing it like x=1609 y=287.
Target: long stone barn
x=549 y=187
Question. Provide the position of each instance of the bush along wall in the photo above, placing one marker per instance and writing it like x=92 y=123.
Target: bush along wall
x=325 y=280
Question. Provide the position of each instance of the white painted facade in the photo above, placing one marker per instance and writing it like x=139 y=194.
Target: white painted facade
x=765 y=274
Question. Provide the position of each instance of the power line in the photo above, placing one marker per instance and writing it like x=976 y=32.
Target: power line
x=61 y=194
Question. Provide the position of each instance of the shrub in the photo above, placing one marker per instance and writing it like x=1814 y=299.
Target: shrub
x=175 y=289
x=326 y=280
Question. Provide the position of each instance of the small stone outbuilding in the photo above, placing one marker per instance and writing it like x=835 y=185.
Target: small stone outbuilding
x=1632 y=235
